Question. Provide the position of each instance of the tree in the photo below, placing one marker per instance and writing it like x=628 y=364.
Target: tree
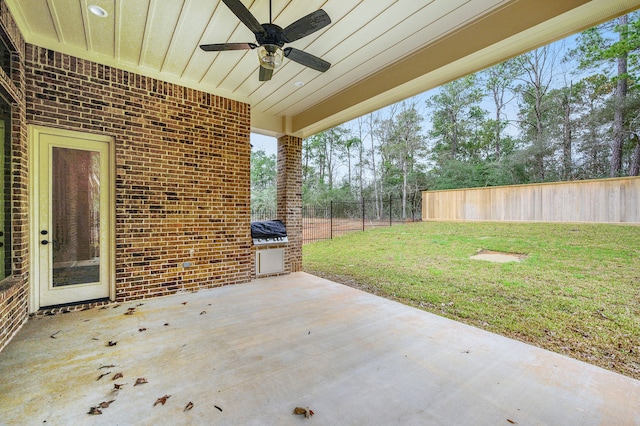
x=361 y=135
x=593 y=116
x=348 y=144
x=499 y=82
x=561 y=123
x=405 y=146
x=596 y=50
x=634 y=123
x=263 y=180
x=455 y=109
x=534 y=107
x=380 y=134
x=321 y=152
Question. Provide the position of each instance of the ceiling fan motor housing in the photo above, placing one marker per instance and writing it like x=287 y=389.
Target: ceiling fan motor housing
x=272 y=35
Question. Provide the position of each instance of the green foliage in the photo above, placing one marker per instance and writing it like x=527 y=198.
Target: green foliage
x=263 y=180
x=456 y=114
x=455 y=174
x=603 y=45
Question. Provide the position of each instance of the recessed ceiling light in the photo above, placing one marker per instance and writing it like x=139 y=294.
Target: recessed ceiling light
x=98 y=11
x=299 y=83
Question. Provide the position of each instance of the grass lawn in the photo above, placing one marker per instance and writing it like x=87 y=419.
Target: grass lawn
x=577 y=292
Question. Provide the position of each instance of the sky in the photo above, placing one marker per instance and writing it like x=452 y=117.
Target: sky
x=267 y=144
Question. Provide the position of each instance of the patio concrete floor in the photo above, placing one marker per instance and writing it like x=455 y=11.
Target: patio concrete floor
x=260 y=349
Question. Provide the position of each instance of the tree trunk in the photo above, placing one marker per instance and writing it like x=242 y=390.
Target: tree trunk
x=378 y=202
x=349 y=166
x=405 y=172
x=539 y=150
x=330 y=163
x=497 y=130
x=620 y=101
x=567 y=142
x=360 y=158
x=454 y=138
x=634 y=170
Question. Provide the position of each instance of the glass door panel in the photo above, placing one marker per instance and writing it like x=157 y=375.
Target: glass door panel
x=75 y=216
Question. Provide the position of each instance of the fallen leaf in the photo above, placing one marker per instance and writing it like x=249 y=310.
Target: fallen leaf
x=94 y=410
x=140 y=381
x=161 y=400
x=117 y=386
x=306 y=411
x=189 y=406
x=105 y=404
x=117 y=376
x=106 y=366
x=112 y=343
x=184 y=303
x=53 y=336
x=512 y=422
x=166 y=324
x=218 y=408
x=140 y=304
x=142 y=329
x=203 y=312
x=102 y=375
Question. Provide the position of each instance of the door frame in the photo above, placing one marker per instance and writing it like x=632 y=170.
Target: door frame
x=34 y=238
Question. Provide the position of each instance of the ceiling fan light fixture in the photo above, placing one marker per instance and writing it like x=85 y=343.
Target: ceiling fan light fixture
x=270 y=56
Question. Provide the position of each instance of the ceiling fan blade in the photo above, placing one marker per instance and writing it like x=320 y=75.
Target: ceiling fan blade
x=265 y=73
x=306 y=59
x=306 y=25
x=221 y=47
x=244 y=15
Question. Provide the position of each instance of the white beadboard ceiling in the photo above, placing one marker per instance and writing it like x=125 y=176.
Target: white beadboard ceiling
x=381 y=51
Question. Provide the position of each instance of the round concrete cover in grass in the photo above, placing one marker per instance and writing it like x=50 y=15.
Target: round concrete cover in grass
x=498 y=257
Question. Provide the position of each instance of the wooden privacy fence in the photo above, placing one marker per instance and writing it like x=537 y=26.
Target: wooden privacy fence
x=602 y=200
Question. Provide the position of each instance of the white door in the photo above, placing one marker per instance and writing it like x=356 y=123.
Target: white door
x=73 y=194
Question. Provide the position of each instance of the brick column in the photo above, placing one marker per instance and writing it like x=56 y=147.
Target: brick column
x=290 y=198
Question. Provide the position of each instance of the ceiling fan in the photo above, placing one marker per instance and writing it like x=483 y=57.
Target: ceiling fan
x=271 y=38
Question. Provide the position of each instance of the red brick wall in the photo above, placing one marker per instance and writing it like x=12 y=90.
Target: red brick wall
x=14 y=294
x=183 y=170
x=290 y=198
x=14 y=308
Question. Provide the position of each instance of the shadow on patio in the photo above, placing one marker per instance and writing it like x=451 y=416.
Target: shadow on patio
x=251 y=353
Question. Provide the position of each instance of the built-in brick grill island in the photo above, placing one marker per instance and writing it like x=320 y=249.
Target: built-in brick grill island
x=269 y=237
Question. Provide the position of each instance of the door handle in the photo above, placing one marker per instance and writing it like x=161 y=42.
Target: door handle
x=45 y=242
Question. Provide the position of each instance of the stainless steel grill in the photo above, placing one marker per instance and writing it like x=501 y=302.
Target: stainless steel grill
x=268 y=232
